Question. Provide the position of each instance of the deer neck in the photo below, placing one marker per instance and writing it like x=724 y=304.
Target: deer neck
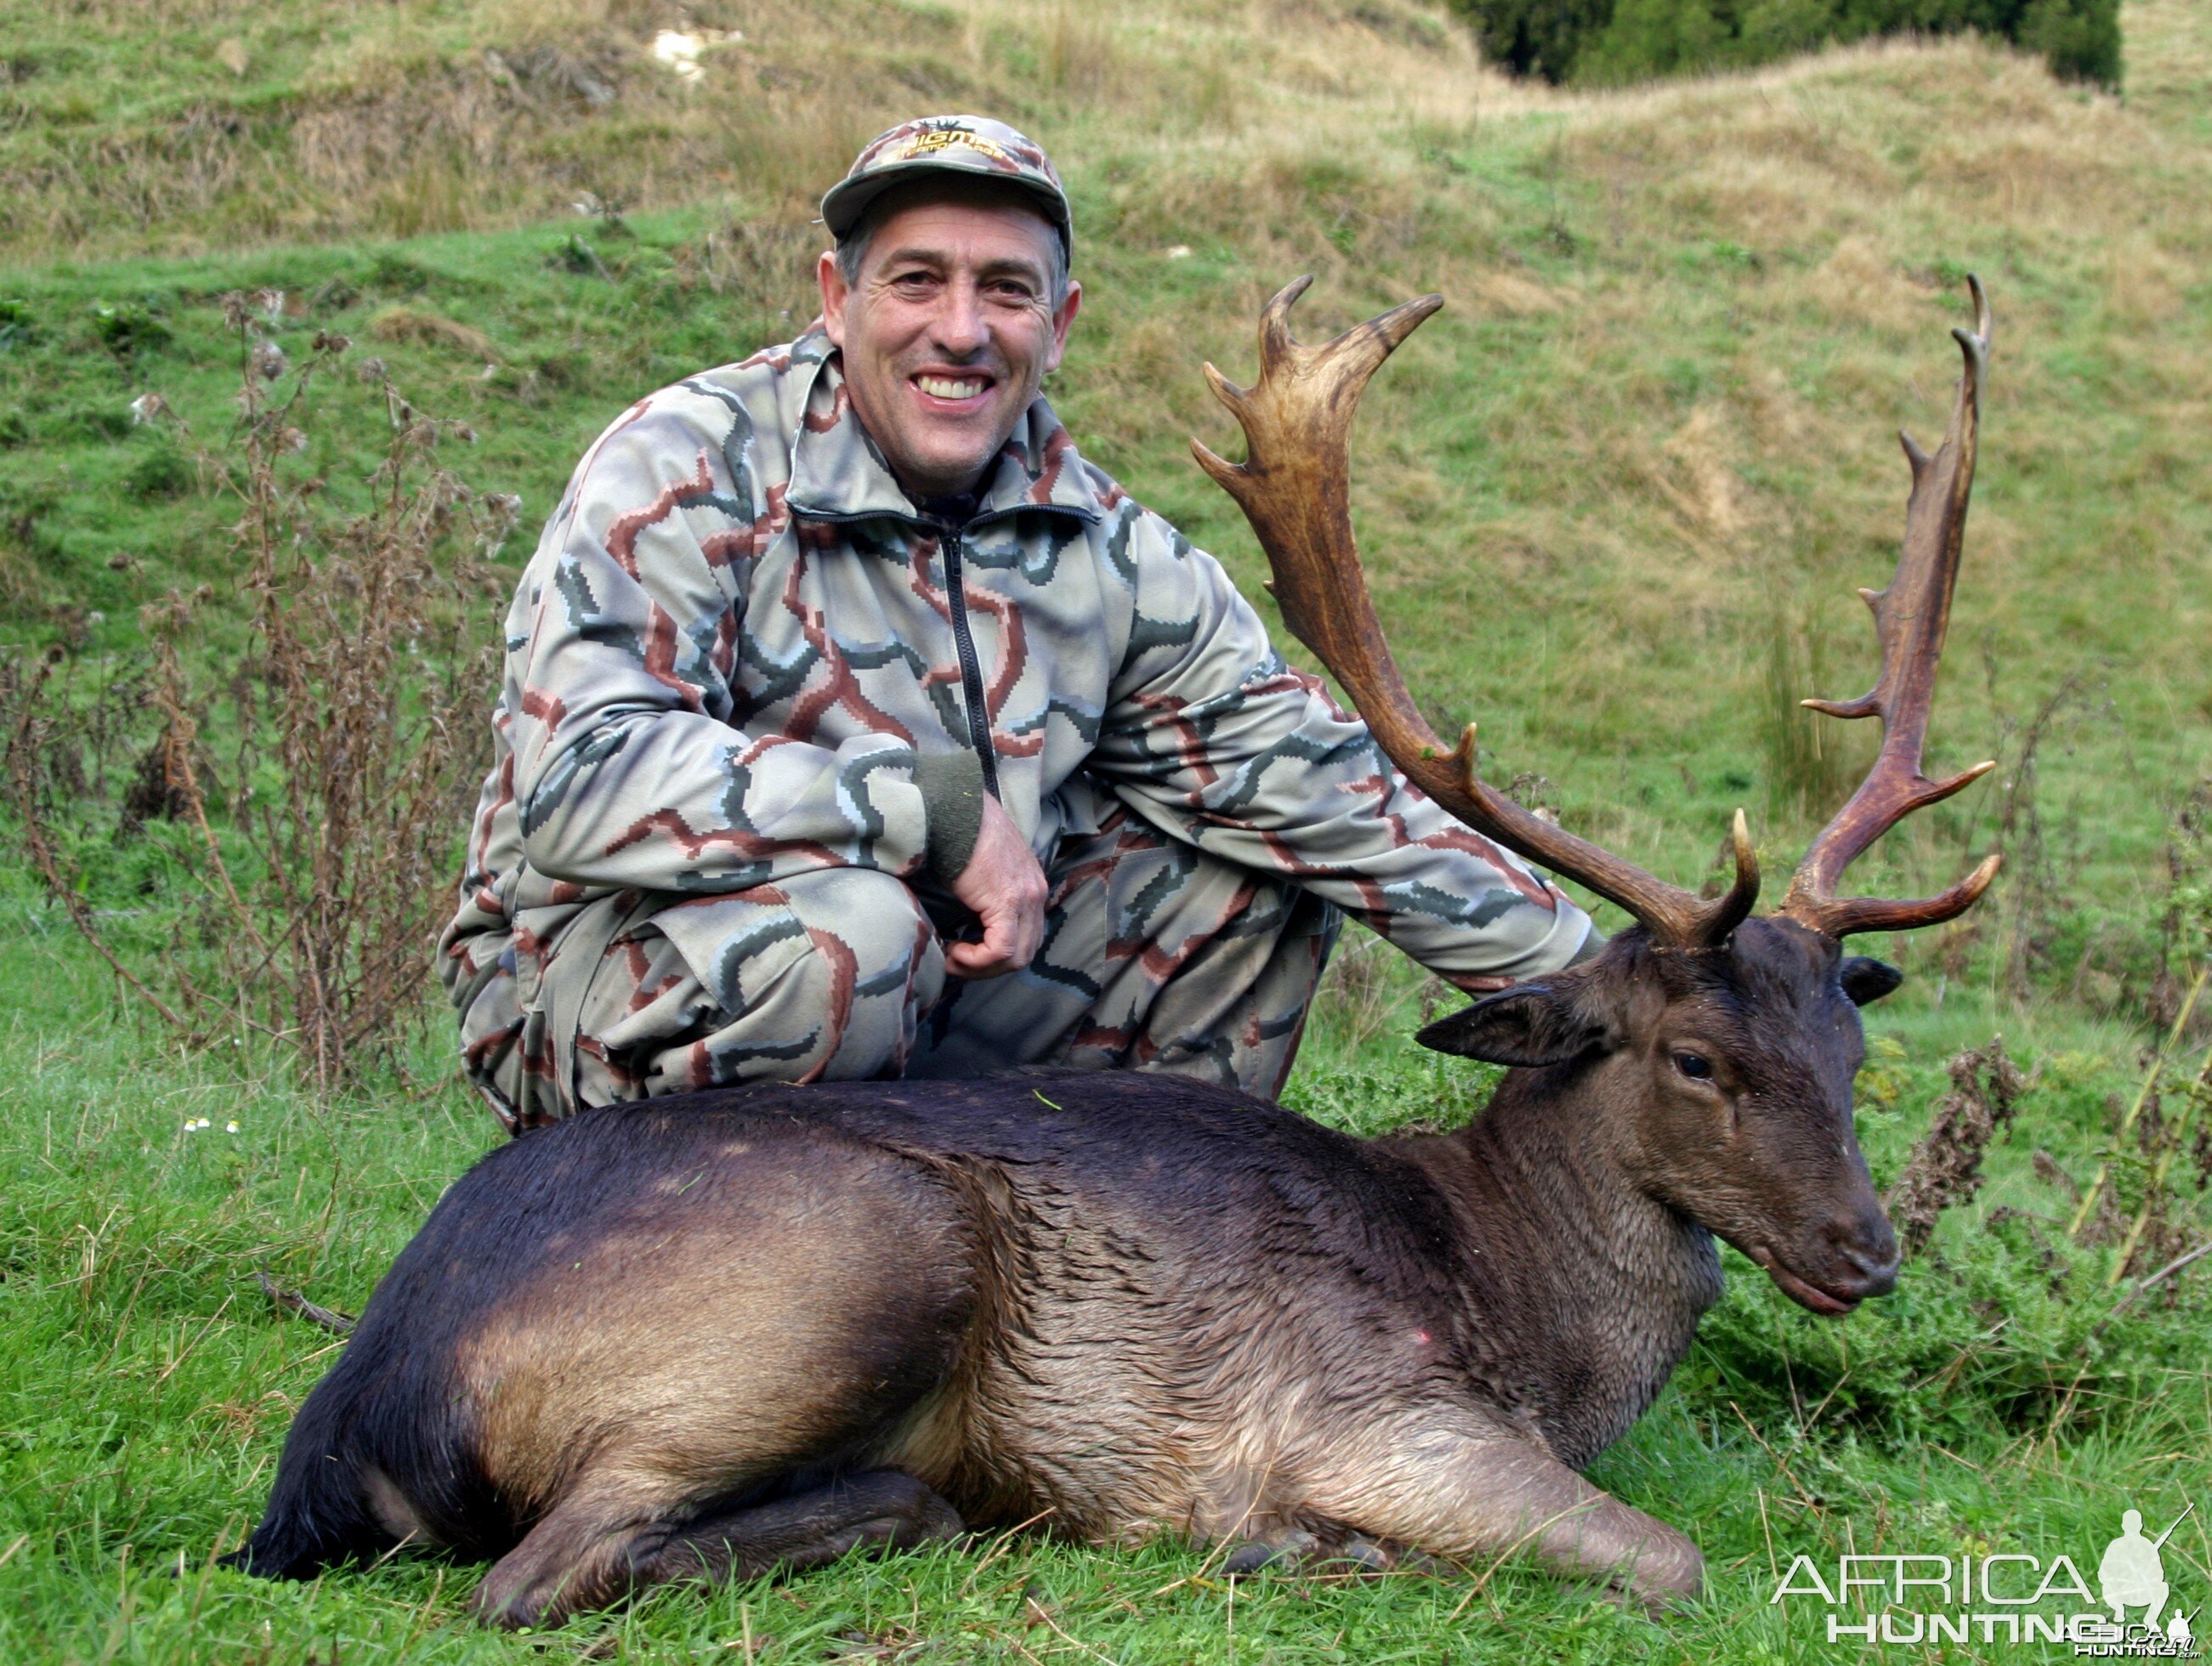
x=1581 y=1290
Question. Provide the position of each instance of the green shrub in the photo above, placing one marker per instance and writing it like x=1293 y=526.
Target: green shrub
x=1535 y=36
x=164 y=471
x=1610 y=41
x=17 y=327
x=128 y=330
x=2011 y=1328
x=2081 y=37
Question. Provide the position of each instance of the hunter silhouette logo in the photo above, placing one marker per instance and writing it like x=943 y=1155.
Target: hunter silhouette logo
x=2008 y=1596
x=2133 y=1576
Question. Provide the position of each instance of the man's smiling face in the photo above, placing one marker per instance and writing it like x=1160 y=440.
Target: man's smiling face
x=948 y=328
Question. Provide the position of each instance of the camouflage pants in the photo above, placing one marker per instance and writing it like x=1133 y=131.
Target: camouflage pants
x=1155 y=957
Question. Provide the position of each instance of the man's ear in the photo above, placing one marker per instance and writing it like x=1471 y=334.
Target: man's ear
x=1867 y=980
x=831 y=278
x=1545 y=1022
x=1063 y=316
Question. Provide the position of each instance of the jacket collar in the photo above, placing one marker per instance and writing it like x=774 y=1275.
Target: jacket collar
x=838 y=474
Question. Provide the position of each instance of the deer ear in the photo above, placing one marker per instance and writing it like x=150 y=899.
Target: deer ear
x=1867 y=980
x=1528 y=1024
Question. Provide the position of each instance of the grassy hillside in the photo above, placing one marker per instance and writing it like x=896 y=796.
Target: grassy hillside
x=1638 y=467
x=1615 y=499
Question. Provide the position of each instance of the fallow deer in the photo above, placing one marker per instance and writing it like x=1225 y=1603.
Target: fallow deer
x=704 y=1337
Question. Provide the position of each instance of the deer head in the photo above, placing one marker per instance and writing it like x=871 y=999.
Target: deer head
x=1722 y=1047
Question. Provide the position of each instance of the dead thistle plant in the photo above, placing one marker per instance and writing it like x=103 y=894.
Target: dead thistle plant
x=321 y=771
x=1945 y=1169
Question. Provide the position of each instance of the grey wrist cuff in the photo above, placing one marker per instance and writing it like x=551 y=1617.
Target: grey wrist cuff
x=952 y=785
x=1593 y=946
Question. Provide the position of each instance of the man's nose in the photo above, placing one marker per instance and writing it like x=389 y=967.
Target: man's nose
x=959 y=329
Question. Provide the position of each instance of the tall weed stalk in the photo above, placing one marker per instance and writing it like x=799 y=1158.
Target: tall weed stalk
x=317 y=772
x=1807 y=761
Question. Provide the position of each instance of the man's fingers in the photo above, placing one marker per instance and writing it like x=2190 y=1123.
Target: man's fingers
x=1006 y=887
x=1010 y=936
x=992 y=957
x=976 y=961
x=1478 y=983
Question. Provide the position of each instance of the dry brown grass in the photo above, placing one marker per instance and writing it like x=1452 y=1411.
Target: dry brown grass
x=415 y=324
x=398 y=124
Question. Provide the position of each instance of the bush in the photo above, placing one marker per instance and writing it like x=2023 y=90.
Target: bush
x=1609 y=41
x=164 y=471
x=2014 y=1330
x=17 y=327
x=129 y=330
x=1535 y=36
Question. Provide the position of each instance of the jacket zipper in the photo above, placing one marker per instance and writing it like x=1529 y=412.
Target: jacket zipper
x=971 y=673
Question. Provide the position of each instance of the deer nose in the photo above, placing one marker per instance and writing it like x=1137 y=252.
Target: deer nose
x=1866 y=1244
x=1875 y=1274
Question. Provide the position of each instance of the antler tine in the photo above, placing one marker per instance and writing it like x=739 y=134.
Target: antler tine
x=1910 y=619
x=1295 y=489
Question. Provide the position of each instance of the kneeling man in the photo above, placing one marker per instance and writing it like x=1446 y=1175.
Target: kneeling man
x=856 y=726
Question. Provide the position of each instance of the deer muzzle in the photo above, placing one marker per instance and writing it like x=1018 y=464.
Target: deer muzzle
x=1852 y=1258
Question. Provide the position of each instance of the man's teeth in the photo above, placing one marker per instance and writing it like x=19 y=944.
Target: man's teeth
x=944 y=388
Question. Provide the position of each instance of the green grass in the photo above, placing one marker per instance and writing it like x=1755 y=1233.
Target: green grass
x=1614 y=499
x=148 y=1384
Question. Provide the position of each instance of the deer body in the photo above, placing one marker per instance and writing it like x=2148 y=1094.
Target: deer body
x=708 y=1337
x=626 y=1347
x=1180 y=1309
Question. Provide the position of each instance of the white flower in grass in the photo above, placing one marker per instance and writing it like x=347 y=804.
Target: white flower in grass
x=680 y=53
x=230 y=1127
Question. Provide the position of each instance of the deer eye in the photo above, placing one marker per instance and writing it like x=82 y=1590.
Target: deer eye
x=1696 y=1066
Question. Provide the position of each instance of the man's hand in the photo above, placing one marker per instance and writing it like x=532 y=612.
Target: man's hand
x=1005 y=888
x=1477 y=983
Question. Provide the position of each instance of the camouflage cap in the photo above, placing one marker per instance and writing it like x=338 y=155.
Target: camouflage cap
x=948 y=144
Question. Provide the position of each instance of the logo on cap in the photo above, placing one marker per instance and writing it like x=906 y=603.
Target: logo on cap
x=934 y=139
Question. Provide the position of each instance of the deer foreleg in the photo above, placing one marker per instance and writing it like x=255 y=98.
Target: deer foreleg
x=1477 y=1497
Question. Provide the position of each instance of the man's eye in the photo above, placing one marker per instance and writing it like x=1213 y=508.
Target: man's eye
x=1696 y=1066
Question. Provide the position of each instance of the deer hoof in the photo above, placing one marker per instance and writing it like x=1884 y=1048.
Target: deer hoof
x=1419 y=1561
x=1660 y=1604
x=1280 y=1550
x=1361 y=1554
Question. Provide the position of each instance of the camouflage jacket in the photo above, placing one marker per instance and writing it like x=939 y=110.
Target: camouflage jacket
x=739 y=639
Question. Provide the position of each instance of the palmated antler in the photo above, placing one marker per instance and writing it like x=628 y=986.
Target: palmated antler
x=1295 y=489
x=1910 y=617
